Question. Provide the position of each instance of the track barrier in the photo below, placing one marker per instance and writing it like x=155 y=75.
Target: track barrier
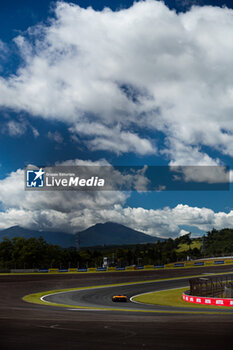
x=148 y=267
x=53 y=270
x=73 y=270
x=208 y=301
x=111 y=269
x=91 y=269
x=187 y=264
x=23 y=270
x=101 y=269
x=211 y=290
x=199 y=263
x=211 y=286
x=129 y=268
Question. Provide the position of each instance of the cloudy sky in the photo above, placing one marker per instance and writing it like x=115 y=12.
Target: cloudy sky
x=121 y=83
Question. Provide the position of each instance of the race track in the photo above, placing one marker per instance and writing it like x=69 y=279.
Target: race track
x=101 y=297
x=32 y=326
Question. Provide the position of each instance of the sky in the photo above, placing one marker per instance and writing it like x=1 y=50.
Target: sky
x=115 y=83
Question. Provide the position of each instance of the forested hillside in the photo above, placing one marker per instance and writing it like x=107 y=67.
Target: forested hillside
x=37 y=253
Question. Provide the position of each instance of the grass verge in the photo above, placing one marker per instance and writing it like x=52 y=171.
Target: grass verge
x=172 y=297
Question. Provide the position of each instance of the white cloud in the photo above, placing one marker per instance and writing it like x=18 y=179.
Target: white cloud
x=113 y=139
x=3 y=49
x=55 y=136
x=74 y=211
x=35 y=132
x=207 y=174
x=15 y=128
x=183 y=232
x=188 y=3
x=2 y=46
x=182 y=154
x=145 y=67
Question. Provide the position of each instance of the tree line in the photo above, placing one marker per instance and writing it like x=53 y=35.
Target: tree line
x=21 y=253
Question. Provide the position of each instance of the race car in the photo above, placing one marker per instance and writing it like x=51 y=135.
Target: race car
x=120 y=297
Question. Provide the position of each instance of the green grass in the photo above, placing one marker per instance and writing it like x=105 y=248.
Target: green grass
x=172 y=297
x=184 y=246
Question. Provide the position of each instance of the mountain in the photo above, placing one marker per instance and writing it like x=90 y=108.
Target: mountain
x=106 y=234
x=112 y=233
x=62 y=239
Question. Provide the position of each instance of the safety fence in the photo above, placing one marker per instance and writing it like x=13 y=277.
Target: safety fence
x=214 y=286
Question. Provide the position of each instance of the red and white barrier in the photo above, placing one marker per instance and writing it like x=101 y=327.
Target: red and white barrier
x=208 y=301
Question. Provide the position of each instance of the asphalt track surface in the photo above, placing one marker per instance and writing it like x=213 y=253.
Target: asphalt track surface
x=101 y=298
x=32 y=326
